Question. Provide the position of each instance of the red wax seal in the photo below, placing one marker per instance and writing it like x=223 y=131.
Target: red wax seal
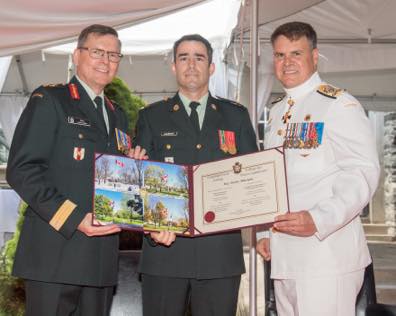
x=209 y=217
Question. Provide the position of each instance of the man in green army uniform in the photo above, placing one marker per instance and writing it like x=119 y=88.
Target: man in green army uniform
x=69 y=265
x=193 y=127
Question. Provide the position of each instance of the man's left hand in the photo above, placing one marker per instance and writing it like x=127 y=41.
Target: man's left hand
x=296 y=223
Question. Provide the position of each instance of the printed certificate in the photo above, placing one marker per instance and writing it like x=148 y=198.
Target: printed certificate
x=190 y=200
x=238 y=192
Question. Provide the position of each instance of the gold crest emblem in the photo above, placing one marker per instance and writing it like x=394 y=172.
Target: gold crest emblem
x=237 y=167
x=37 y=95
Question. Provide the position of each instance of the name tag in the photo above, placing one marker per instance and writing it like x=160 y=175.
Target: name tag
x=168 y=134
x=78 y=121
x=169 y=159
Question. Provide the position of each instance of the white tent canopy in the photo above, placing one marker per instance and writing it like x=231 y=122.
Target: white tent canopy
x=153 y=37
x=157 y=36
x=353 y=35
x=30 y=25
x=356 y=41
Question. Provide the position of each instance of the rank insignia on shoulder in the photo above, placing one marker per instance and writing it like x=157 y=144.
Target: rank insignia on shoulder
x=329 y=91
x=278 y=99
x=213 y=106
x=37 y=95
x=53 y=85
x=229 y=101
x=176 y=108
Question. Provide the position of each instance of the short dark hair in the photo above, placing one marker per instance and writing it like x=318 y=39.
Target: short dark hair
x=197 y=38
x=294 y=31
x=97 y=29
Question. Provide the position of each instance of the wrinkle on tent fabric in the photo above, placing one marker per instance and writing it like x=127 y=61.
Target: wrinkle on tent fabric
x=27 y=25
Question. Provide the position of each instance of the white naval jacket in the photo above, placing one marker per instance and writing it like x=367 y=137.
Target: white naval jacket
x=334 y=182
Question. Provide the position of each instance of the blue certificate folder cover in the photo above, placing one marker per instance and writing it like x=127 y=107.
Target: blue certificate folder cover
x=142 y=194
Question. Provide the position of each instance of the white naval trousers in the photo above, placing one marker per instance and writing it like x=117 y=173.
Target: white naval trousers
x=328 y=296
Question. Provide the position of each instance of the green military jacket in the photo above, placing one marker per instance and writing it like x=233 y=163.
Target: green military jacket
x=51 y=167
x=165 y=131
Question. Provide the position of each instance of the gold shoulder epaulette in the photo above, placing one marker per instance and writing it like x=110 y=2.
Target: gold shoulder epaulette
x=229 y=101
x=278 y=99
x=37 y=95
x=329 y=91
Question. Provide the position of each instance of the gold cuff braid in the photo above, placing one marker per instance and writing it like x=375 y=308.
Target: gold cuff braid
x=62 y=214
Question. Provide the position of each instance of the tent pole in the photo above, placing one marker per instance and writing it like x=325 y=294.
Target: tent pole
x=253 y=116
x=21 y=74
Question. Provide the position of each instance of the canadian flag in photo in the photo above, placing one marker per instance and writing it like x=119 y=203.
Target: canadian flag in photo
x=119 y=163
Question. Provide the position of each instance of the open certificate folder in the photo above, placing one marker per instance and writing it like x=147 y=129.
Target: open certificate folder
x=190 y=200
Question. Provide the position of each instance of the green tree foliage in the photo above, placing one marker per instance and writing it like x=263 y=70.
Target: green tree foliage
x=103 y=206
x=125 y=214
x=119 y=92
x=153 y=175
x=160 y=213
x=12 y=293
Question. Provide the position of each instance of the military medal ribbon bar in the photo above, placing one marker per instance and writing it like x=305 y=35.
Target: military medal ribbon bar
x=303 y=135
x=123 y=141
x=227 y=141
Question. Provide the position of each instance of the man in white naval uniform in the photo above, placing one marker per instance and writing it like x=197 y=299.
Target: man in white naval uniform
x=318 y=251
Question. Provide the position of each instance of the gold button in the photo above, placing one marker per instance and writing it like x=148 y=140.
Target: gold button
x=80 y=136
x=168 y=146
x=198 y=146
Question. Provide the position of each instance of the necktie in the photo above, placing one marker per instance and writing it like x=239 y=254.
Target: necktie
x=194 y=116
x=99 y=109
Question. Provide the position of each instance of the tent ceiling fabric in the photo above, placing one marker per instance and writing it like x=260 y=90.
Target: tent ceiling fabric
x=27 y=25
x=272 y=10
x=353 y=35
x=157 y=36
x=343 y=19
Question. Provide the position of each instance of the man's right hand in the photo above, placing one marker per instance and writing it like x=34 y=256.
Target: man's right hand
x=263 y=248
x=164 y=237
x=90 y=230
x=137 y=153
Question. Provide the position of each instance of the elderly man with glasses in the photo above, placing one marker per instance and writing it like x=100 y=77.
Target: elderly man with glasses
x=69 y=265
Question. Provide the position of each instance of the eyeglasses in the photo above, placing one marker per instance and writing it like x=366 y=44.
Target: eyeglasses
x=97 y=53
